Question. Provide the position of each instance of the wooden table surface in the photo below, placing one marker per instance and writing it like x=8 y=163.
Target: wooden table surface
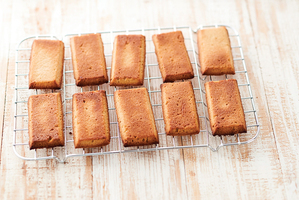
x=267 y=168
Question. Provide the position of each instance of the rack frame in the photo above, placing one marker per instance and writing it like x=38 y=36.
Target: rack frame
x=203 y=139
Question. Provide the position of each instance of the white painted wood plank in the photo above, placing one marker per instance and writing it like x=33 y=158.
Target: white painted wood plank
x=276 y=38
x=5 y=18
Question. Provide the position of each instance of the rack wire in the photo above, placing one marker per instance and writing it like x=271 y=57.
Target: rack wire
x=152 y=81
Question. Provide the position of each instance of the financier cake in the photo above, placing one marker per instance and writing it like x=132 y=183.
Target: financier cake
x=179 y=109
x=135 y=117
x=214 y=51
x=45 y=121
x=128 y=60
x=46 y=64
x=90 y=119
x=225 y=107
x=88 y=60
x=174 y=62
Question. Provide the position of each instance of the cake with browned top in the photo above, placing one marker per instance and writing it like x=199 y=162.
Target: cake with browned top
x=128 y=60
x=135 y=117
x=45 y=121
x=179 y=109
x=214 y=51
x=174 y=62
x=225 y=107
x=46 y=64
x=88 y=60
x=90 y=119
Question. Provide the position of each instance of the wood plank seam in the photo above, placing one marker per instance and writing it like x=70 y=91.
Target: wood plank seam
x=4 y=109
x=183 y=152
x=91 y=168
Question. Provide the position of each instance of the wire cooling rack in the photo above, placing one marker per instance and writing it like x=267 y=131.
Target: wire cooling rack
x=152 y=81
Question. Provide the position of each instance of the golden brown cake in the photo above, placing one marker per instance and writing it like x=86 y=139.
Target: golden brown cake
x=225 y=107
x=174 y=62
x=90 y=119
x=46 y=64
x=88 y=60
x=135 y=117
x=45 y=121
x=179 y=109
x=128 y=60
x=214 y=51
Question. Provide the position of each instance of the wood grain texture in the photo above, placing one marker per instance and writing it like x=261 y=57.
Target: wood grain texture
x=275 y=39
x=268 y=168
x=5 y=19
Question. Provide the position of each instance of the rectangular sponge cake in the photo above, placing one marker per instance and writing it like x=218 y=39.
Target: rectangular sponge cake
x=225 y=107
x=214 y=51
x=135 y=117
x=88 y=60
x=90 y=119
x=45 y=121
x=174 y=62
x=128 y=60
x=46 y=64
x=179 y=109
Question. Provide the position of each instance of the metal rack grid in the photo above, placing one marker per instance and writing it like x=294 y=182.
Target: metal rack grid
x=152 y=81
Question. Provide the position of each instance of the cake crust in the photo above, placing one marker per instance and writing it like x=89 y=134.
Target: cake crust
x=214 y=51
x=179 y=109
x=46 y=64
x=88 y=60
x=45 y=125
x=225 y=107
x=172 y=55
x=128 y=60
x=90 y=119
x=135 y=117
